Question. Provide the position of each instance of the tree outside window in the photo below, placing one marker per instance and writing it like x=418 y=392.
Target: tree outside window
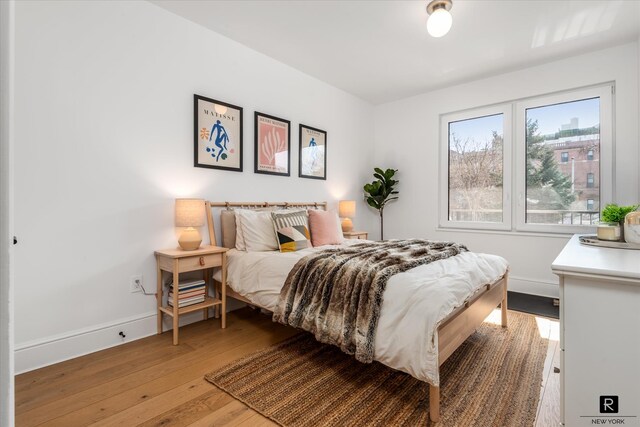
x=475 y=169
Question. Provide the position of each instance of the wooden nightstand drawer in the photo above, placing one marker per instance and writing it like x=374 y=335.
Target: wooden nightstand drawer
x=356 y=235
x=200 y=262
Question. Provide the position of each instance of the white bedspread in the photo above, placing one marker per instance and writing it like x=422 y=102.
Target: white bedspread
x=414 y=303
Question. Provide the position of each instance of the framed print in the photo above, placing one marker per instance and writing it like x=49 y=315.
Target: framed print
x=217 y=135
x=312 y=158
x=272 y=141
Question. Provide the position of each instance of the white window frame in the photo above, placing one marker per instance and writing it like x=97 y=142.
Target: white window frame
x=445 y=119
x=606 y=163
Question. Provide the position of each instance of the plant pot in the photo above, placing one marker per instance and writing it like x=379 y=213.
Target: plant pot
x=610 y=231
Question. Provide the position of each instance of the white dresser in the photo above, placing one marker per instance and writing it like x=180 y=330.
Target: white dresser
x=599 y=335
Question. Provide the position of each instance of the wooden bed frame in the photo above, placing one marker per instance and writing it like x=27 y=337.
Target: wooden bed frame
x=452 y=331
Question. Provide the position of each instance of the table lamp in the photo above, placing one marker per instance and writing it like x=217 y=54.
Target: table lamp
x=189 y=214
x=347 y=210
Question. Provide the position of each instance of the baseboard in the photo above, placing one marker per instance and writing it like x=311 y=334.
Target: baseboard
x=44 y=352
x=40 y=353
x=534 y=287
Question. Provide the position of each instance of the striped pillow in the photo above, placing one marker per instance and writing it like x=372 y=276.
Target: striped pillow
x=292 y=230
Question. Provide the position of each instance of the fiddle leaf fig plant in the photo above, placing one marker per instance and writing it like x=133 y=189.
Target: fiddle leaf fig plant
x=380 y=192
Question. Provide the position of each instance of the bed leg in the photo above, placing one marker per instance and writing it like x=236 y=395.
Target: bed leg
x=503 y=304
x=434 y=403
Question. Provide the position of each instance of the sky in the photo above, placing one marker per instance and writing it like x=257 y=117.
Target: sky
x=550 y=119
x=479 y=130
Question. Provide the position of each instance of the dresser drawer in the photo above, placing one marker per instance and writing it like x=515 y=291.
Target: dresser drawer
x=199 y=262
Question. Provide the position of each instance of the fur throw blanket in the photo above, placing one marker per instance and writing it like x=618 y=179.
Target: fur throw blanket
x=336 y=294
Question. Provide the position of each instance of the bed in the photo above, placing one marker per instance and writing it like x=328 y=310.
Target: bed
x=421 y=322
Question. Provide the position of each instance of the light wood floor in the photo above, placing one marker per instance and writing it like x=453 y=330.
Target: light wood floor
x=150 y=382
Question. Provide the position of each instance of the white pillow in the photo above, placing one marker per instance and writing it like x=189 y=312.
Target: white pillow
x=240 y=245
x=257 y=231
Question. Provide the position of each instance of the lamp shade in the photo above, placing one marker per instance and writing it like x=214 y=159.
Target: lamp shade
x=189 y=212
x=347 y=208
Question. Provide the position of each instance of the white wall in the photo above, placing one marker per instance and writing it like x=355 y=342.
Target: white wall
x=7 y=21
x=104 y=124
x=407 y=138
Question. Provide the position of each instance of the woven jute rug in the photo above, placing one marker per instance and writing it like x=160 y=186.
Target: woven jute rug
x=493 y=379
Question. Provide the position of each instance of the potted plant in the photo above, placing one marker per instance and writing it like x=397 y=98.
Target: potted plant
x=612 y=217
x=380 y=192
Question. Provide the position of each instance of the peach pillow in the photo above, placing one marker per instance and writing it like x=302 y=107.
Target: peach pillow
x=325 y=228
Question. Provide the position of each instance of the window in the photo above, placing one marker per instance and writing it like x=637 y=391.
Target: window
x=554 y=194
x=477 y=154
x=553 y=143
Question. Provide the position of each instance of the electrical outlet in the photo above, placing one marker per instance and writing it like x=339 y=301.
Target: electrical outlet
x=135 y=285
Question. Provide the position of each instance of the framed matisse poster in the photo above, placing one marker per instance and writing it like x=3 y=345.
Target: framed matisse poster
x=217 y=134
x=312 y=158
x=272 y=137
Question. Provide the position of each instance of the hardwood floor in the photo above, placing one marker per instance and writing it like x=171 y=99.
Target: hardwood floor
x=549 y=405
x=150 y=382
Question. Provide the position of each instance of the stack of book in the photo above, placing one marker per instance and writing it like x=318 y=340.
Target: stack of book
x=189 y=293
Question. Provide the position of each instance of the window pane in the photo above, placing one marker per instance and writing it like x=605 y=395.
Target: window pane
x=563 y=163
x=475 y=169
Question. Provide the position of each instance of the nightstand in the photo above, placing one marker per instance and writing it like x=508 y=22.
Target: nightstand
x=178 y=261
x=355 y=235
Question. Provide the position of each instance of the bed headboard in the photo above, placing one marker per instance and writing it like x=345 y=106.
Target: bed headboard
x=219 y=206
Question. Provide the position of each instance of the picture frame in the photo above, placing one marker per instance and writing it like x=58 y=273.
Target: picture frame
x=312 y=156
x=217 y=134
x=272 y=145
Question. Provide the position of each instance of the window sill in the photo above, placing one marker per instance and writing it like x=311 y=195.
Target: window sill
x=509 y=233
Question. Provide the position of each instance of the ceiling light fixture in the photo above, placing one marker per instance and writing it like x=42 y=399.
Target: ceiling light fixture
x=440 y=20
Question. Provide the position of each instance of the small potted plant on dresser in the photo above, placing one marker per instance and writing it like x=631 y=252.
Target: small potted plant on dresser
x=612 y=218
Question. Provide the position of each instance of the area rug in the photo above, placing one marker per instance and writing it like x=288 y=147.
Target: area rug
x=493 y=379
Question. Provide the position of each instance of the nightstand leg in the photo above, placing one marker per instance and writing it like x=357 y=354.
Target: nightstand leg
x=218 y=295
x=205 y=311
x=159 y=297
x=176 y=317
x=223 y=314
